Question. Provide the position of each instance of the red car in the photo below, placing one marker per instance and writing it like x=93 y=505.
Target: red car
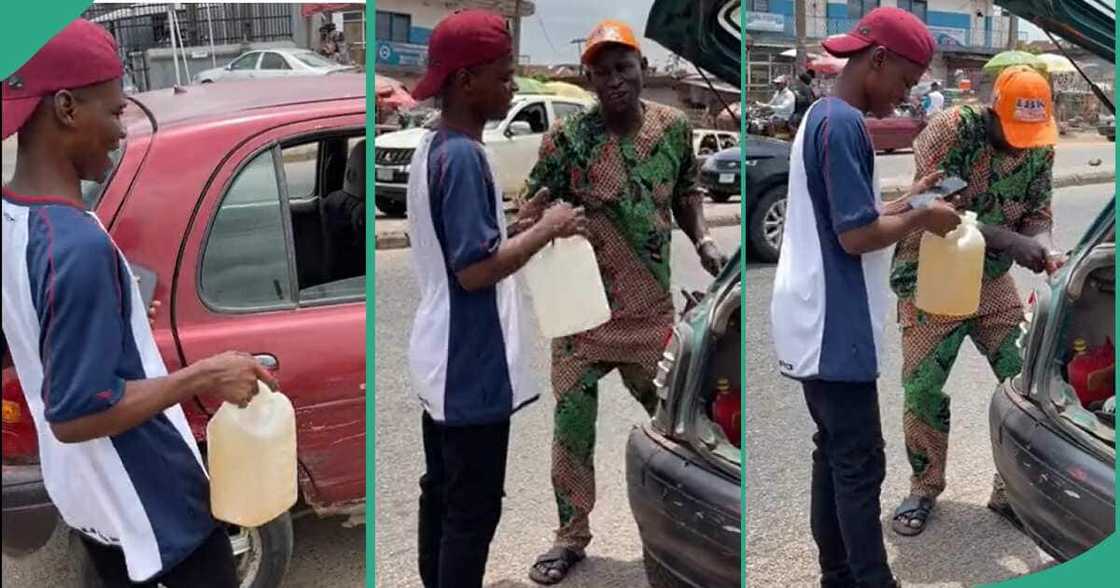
x=896 y=132
x=219 y=191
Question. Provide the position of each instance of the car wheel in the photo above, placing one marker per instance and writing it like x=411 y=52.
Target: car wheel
x=767 y=224
x=658 y=575
x=391 y=208
x=207 y=82
x=720 y=197
x=261 y=555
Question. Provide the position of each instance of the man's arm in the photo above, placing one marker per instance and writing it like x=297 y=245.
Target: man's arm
x=549 y=175
x=887 y=230
x=688 y=208
x=559 y=221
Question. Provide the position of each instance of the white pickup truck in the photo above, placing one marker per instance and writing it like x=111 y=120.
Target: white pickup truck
x=513 y=145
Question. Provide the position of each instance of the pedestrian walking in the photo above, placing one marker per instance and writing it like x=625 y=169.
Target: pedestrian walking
x=831 y=286
x=1006 y=154
x=119 y=460
x=630 y=164
x=469 y=346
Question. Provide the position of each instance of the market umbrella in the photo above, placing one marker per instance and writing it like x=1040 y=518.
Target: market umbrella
x=392 y=94
x=1057 y=64
x=1008 y=59
x=530 y=86
x=566 y=89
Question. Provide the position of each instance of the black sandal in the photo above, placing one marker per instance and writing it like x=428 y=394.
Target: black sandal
x=552 y=567
x=911 y=516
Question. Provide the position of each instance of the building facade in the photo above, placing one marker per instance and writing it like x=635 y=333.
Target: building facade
x=968 y=33
x=405 y=26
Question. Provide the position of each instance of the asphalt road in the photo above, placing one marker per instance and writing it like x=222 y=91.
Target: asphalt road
x=965 y=544
x=1071 y=156
x=326 y=555
x=614 y=557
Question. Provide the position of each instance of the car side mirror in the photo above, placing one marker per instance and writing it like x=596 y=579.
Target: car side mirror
x=518 y=128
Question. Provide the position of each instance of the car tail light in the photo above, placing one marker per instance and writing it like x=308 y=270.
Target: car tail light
x=666 y=366
x=20 y=442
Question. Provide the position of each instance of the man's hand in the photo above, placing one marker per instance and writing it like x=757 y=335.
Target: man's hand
x=711 y=258
x=1025 y=251
x=926 y=184
x=1055 y=261
x=152 y=311
x=563 y=220
x=940 y=218
x=232 y=377
x=535 y=206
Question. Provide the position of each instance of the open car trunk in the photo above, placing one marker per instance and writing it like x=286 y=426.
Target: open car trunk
x=1081 y=379
x=709 y=427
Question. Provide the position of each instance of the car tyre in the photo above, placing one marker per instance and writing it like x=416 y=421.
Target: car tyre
x=658 y=575
x=765 y=228
x=262 y=555
x=391 y=208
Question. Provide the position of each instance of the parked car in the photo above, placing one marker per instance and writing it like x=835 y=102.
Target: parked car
x=513 y=144
x=683 y=471
x=272 y=63
x=896 y=132
x=1056 y=454
x=219 y=192
x=708 y=142
x=719 y=174
x=1106 y=126
x=767 y=165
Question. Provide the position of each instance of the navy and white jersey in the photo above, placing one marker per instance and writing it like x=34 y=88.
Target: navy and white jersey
x=467 y=352
x=78 y=331
x=829 y=307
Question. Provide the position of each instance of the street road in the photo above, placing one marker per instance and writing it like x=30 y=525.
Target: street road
x=965 y=544
x=614 y=557
x=1071 y=156
x=326 y=555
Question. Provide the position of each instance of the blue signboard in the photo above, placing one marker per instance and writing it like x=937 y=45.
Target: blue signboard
x=406 y=54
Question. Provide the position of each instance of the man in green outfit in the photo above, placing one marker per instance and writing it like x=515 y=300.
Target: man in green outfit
x=1005 y=152
x=630 y=165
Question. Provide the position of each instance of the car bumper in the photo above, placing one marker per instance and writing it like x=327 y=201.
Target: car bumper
x=1107 y=131
x=1064 y=495
x=29 y=517
x=392 y=192
x=688 y=515
x=717 y=181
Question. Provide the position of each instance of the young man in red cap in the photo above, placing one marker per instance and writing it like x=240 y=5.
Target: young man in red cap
x=1006 y=154
x=831 y=286
x=630 y=163
x=469 y=338
x=119 y=460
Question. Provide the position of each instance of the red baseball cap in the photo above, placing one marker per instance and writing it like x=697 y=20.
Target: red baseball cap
x=895 y=29
x=465 y=39
x=82 y=54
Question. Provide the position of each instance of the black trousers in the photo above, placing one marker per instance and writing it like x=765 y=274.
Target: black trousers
x=460 y=501
x=211 y=565
x=849 y=466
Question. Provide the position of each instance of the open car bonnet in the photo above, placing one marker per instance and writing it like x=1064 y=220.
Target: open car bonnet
x=709 y=33
x=1089 y=24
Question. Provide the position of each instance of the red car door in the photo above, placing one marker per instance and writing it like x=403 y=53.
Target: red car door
x=251 y=279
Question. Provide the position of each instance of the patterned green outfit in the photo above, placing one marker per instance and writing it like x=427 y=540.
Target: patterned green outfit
x=628 y=187
x=1011 y=190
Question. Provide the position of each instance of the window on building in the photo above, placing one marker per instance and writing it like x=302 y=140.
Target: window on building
x=859 y=8
x=915 y=7
x=393 y=27
x=759 y=5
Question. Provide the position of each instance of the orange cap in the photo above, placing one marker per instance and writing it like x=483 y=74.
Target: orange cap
x=1025 y=107
x=606 y=33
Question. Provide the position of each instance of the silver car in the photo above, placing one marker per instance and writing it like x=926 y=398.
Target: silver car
x=272 y=63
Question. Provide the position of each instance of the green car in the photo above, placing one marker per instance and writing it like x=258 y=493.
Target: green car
x=1056 y=447
x=683 y=470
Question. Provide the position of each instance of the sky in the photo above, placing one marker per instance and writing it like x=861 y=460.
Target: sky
x=560 y=21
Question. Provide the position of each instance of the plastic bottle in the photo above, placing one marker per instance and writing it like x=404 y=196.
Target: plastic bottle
x=1092 y=372
x=252 y=459
x=726 y=410
x=951 y=270
x=567 y=289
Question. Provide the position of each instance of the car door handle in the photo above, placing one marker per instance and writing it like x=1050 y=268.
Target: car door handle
x=268 y=361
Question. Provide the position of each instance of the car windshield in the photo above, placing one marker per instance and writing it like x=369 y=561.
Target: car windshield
x=92 y=191
x=311 y=59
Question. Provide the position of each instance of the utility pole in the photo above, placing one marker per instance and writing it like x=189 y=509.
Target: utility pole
x=579 y=53
x=1013 y=36
x=799 y=23
x=517 y=35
